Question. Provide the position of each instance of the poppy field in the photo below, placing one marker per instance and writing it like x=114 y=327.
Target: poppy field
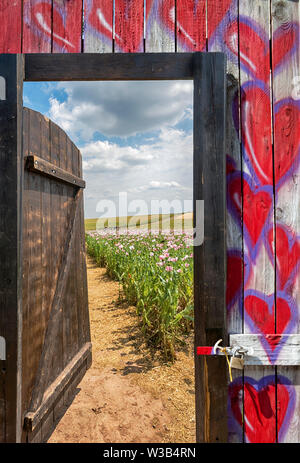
x=155 y=271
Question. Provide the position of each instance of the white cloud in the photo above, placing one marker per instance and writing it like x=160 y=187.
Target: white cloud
x=120 y=108
x=161 y=170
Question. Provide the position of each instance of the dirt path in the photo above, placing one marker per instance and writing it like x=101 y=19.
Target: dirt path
x=129 y=394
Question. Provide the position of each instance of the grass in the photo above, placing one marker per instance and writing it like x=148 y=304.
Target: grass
x=143 y=222
x=156 y=274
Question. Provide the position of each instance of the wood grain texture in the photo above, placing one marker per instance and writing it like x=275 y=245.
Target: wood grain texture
x=48 y=212
x=234 y=243
x=209 y=292
x=286 y=246
x=98 y=26
x=129 y=26
x=11 y=24
x=106 y=66
x=11 y=187
x=287 y=350
x=32 y=419
x=160 y=26
x=37 y=26
x=38 y=165
x=54 y=325
x=67 y=26
x=257 y=204
x=191 y=25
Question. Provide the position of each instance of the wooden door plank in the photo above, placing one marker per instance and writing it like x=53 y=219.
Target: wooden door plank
x=286 y=116
x=129 y=26
x=11 y=26
x=98 y=26
x=160 y=26
x=210 y=257
x=26 y=266
x=45 y=374
x=58 y=243
x=234 y=290
x=67 y=26
x=83 y=309
x=33 y=326
x=191 y=25
x=257 y=206
x=11 y=188
x=37 y=26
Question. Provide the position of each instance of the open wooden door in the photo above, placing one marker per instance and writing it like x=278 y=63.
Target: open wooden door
x=56 y=349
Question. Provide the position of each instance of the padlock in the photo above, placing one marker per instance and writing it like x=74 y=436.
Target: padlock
x=237 y=362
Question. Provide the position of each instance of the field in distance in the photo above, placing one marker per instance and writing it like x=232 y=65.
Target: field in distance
x=181 y=221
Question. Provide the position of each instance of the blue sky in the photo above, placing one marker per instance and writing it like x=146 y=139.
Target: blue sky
x=135 y=137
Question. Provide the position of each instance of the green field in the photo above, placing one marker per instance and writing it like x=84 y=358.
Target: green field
x=156 y=273
x=143 y=222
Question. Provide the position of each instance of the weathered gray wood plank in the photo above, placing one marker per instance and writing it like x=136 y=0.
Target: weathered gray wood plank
x=210 y=257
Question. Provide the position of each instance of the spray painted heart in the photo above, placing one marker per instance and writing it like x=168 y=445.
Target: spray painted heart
x=191 y=20
x=256 y=209
x=260 y=317
x=261 y=412
x=256 y=134
x=65 y=35
x=287 y=255
x=250 y=42
x=129 y=18
x=256 y=131
x=286 y=139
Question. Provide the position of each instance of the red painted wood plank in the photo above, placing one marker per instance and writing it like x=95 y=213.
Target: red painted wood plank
x=98 y=27
x=191 y=25
x=37 y=26
x=216 y=17
x=67 y=26
x=129 y=26
x=285 y=250
x=11 y=21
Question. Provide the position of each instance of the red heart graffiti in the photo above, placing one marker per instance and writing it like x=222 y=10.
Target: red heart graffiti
x=262 y=314
x=260 y=412
x=286 y=137
x=191 y=21
x=129 y=22
x=64 y=35
x=257 y=203
x=256 y=131
x=287 y=254
x=256 y=134
x=252 y=46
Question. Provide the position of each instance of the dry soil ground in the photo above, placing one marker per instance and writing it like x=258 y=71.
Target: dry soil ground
x=129 y=394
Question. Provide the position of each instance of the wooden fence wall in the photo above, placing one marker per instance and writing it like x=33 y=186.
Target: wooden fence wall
x=261 y=40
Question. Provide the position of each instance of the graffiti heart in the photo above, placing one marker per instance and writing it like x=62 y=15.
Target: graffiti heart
x=40 y=17
x=255 y=210
x=259 y=414
x=287 y=255
x=260 y=317
x=250 y=43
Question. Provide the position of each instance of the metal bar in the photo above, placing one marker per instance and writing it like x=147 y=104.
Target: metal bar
x=36 y=164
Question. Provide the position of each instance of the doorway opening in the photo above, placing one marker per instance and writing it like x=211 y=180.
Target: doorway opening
x=207 y=71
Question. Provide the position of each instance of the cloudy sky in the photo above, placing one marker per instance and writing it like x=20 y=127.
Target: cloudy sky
x=135 y=137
